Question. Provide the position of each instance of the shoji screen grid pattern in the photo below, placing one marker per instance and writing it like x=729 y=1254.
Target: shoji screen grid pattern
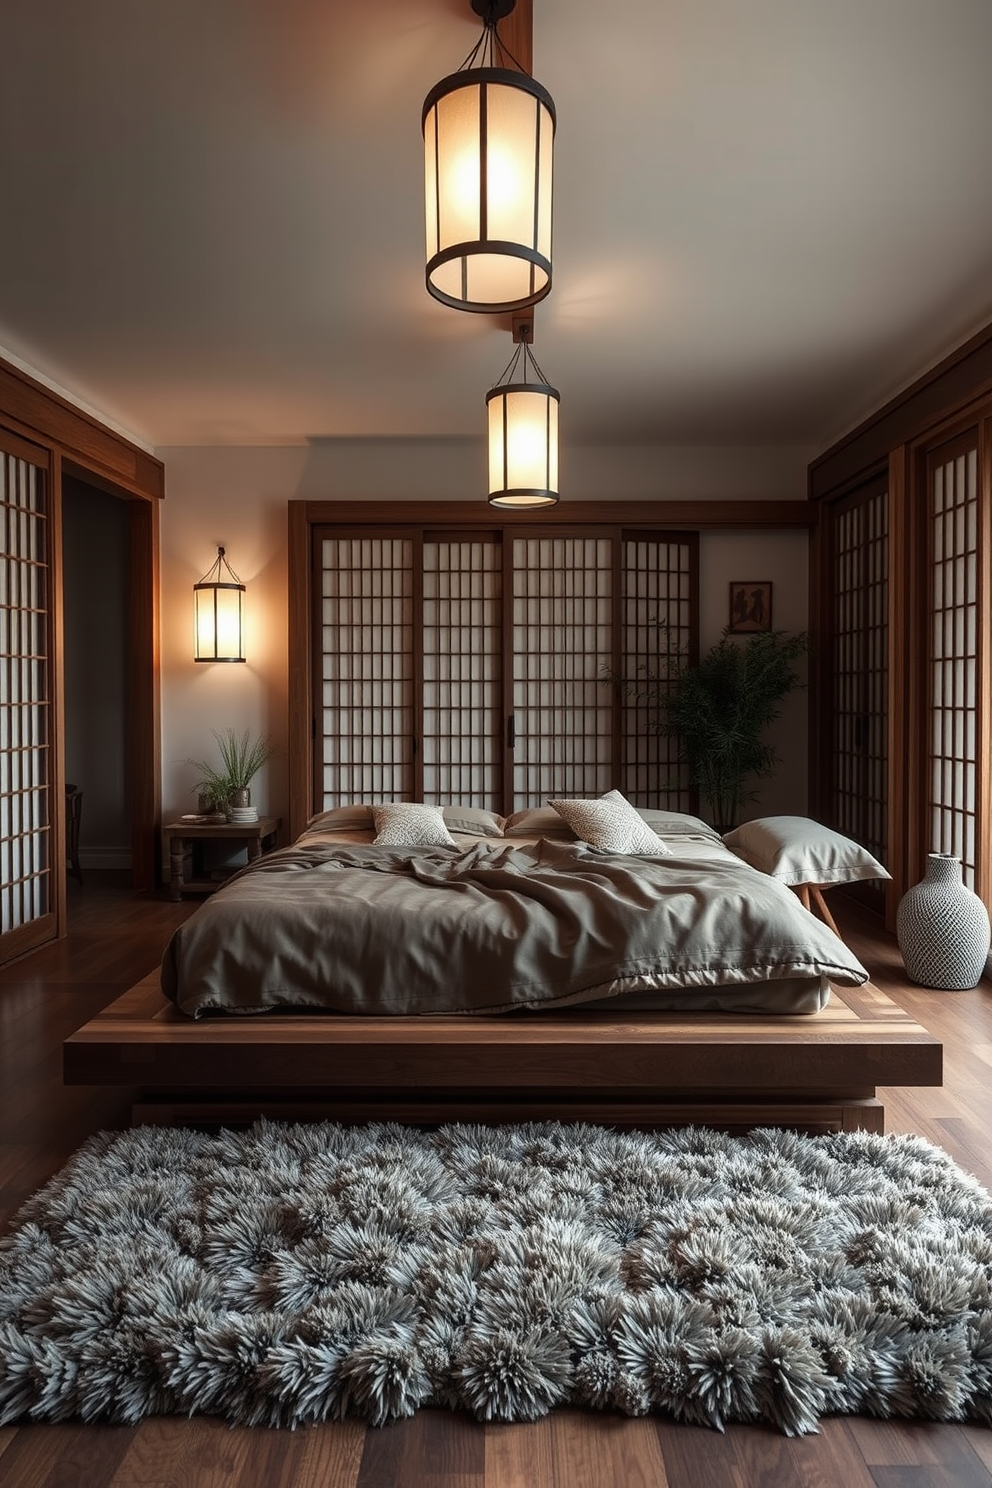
x=367 y=669
x=462 y=672
x=25 y=831
x=860 y=691
x=562 y=642
x=657 y=624
x=954 y=658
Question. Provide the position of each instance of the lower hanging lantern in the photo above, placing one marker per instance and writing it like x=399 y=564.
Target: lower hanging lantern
x=218 y=614
x=523 y=437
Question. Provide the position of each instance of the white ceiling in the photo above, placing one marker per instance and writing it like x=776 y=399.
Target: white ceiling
x=769 y=214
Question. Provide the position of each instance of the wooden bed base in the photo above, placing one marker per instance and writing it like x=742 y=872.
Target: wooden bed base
x=818 y=1073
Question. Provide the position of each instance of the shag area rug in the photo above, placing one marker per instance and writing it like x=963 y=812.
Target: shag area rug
x=290 y=1274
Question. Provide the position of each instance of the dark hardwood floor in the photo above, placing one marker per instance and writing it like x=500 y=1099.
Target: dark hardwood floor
x=114 y=940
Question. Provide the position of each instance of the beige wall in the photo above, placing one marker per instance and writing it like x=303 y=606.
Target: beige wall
x=237 y=497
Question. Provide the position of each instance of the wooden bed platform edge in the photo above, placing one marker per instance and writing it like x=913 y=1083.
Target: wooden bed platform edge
x=734 y=1070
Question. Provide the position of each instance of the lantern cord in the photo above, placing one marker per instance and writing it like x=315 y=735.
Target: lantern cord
x=509 y=372
x=494 y=52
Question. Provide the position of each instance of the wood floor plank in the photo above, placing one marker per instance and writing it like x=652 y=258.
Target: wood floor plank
x=941 y=1450
x=67 y=1455
x=696 y=1457
x=392 y=1454
x=590 y=1450
x=170 y=1453
x=272 y=1461
x=332 y=1456
x=520 y=1456
x=979 y=1439
x=831 y=1459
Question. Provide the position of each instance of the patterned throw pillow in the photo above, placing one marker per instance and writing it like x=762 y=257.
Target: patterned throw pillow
x=611 y=824
x=409 y=824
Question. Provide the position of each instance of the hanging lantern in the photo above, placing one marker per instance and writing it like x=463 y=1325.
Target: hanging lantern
x=218 y=614
x=488 y=145
x=523 y=436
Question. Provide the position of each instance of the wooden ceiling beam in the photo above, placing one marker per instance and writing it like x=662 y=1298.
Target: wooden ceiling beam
x=516 y=32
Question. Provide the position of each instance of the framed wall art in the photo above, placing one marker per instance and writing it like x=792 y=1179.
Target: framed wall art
x=750 y=606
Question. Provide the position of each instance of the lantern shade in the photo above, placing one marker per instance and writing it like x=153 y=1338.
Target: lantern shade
x=523 y=444
x=488 y=151
x=218 y=614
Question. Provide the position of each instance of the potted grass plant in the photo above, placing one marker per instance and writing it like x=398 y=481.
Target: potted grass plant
x=718 y=709
x=242 y=756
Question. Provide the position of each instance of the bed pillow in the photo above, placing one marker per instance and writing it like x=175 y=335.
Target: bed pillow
x=677 y=824
x=537 y=821
x=409 y=824
x=796 y=850
x=611 y=824
x=341 y=819
x=472 y=819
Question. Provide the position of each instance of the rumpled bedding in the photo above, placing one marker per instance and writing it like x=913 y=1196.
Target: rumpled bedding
x=491 y=927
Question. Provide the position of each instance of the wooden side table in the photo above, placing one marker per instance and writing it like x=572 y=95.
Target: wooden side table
x=259 y=837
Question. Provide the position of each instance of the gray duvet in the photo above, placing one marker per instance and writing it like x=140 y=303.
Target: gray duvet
x=491 y=928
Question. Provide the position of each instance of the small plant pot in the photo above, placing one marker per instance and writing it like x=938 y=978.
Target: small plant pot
x=240 y=797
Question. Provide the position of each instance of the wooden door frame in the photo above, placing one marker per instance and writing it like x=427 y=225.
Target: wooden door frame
x=143 y=718
x=78 y=444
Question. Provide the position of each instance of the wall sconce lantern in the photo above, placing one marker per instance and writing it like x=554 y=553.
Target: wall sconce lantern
x=523 y=432
x=488 y=151
x=218 y=614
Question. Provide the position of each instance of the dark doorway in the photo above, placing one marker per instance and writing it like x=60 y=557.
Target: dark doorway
x=95 y=589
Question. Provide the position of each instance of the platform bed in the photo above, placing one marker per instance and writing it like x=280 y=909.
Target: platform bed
x=817 y=1073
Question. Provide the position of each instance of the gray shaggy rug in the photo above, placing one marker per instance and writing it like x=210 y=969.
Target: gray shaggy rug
x=290 y=1274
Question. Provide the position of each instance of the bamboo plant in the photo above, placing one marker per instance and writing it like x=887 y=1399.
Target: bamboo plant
x=718 y=709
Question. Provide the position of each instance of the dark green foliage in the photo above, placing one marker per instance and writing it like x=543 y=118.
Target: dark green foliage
x=719 y=709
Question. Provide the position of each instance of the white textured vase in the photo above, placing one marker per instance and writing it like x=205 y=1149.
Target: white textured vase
x=943 y=928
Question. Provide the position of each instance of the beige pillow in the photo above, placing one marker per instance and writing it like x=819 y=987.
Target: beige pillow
x=796 y=850
x=341 y=819
x=612 y=825
x=537 y=821
x=472 y=819
x=409 y=824
x=677 y=824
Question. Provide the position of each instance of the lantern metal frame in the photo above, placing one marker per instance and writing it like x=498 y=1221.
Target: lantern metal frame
x=515 y=375
x=491 y=72
x=220 y=577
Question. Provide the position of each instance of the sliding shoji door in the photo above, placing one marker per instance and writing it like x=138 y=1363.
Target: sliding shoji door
x=473 y=668
x=586 y=606
x=28 y=856
x=364 y=709
x=461 y=727
x=856 y=719
x=660 y=574
x=955 y=579
x=562 y=646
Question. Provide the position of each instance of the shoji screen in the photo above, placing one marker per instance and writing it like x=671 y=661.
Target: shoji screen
x=952 y=479
x=462 y=726
x=27 y=890
x=366 y=718
x=659 y=588
x=857 y=718
x=472 y=667
x=563 y=641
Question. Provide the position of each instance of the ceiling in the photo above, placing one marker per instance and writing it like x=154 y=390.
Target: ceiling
x=769 y=214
